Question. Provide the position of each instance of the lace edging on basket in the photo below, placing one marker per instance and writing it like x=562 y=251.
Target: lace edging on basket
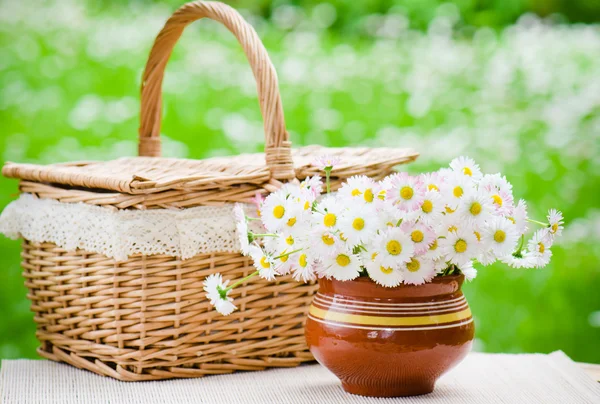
x=119 y=234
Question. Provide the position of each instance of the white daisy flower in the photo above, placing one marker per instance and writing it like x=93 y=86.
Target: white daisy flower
x=434 y=251
x=284 y=263
x=539 y=247
x=360 y=189
x=304 y=268
x=418 y=270
x=393 y=247
x=555 y=218
x=486 y=257
x=459 y=247
x=328 y=214
x=440 y=265
x=433 y=181
x=263 y=262
x=214 y=288
x=297 y=220
x=385 y=276
x=474 y=209
x=526 y=260
x=388 y=216
x=468 y=270
x=358 y=224
x=273 y=211
x=466 y=166
x=454 y=189
x=343 y=265
x=405 y=192
x=421 y=235
x=518 y=217
x=432 y=208
x=323 y=242
x=502 y=201
x=500 y=235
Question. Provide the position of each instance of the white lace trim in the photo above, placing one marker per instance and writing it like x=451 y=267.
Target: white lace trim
x=122 y=233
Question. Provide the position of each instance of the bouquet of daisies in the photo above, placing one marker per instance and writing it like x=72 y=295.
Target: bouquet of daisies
x=403 y=229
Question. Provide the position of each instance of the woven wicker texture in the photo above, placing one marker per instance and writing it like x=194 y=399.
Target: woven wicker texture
x=147 y=318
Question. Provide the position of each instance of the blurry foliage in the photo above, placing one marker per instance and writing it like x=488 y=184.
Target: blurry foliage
x=523 y=99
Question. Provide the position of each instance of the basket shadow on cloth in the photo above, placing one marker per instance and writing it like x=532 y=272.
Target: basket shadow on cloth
x=147 y=317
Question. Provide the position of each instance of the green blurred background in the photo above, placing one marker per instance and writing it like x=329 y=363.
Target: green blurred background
x=514 y=84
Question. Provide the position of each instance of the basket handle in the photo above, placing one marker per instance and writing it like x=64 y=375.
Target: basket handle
x=278 y=152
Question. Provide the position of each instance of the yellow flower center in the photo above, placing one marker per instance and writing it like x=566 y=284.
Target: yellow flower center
x=381 y=195
x=329 y=220
x=541 y=247
x=460 y=246
x=328 y=240
x=264 y=263
x=358 y=224
x=368 y=195
x=406 y=193
x=499 y=236
x=433 y=187
x=512 y=219
x=467 y=171
x=342 y=260
x=393 y=247
x=554 y=228
x=497 y=199
x=385 y=270
x=475 y=208
x=417 y=236
x=356 y=192
x=434 y=246
x=457 y=191
x=278 y=211
x=478 y=235
x=306 y=205
x=452 y=228
x=427 y=206
x=342 y=237
x=302 y=260
x=289 y=240
x=284 y=258
x=449 y=209
x=291 y=221
x=373 y=256
x=413 y=265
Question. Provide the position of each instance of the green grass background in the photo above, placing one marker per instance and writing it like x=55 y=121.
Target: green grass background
x=520 y=93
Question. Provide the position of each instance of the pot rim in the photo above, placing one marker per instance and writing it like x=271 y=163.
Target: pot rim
x=365 y=287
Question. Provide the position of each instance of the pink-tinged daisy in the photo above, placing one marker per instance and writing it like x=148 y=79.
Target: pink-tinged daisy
x=466 y=166
x=326 y=161
x=518 y=217
x=433 y=181
x=555 y=219
x=406 y=192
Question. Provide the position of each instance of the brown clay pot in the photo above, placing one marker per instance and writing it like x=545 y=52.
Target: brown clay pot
x=389 y=342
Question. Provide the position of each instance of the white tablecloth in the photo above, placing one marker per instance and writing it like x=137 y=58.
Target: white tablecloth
x=481 y=378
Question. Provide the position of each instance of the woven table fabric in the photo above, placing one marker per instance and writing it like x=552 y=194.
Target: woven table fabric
x=480 y=378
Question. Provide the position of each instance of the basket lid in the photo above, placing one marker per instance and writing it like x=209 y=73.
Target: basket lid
x=151 y=174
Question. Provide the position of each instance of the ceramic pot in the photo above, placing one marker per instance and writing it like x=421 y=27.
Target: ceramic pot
x=389 y=342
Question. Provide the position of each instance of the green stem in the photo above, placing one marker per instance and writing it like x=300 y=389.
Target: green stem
x=244 y=279
x=538 y=222
x=264 y=235
x=327 y=174
x=252 y=218
x=288 y=253
x=521 y=244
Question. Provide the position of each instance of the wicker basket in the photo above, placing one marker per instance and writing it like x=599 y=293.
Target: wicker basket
x=147 y=318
